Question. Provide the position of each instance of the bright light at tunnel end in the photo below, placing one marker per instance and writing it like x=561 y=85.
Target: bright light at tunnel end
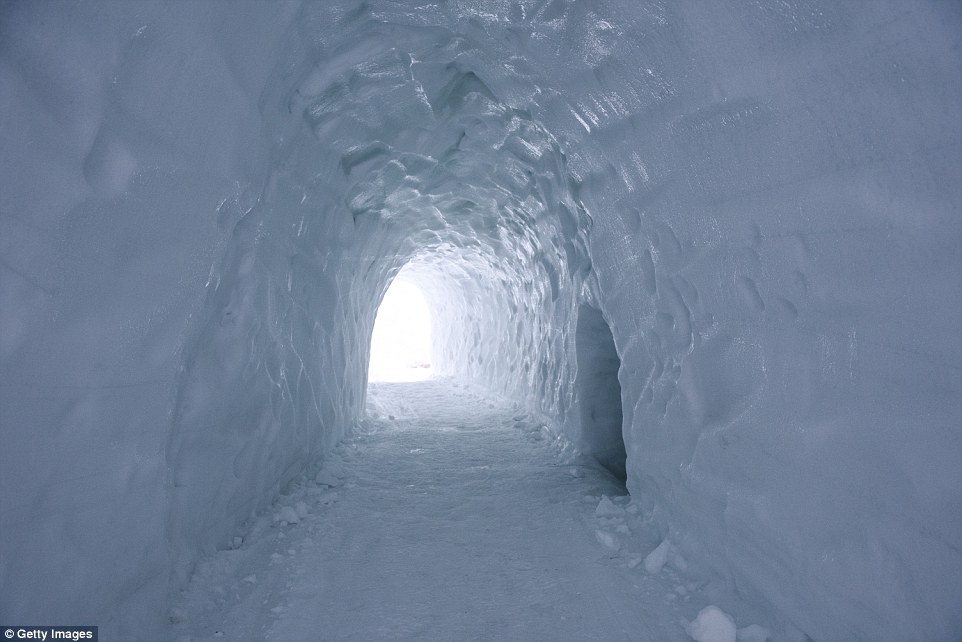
x=401 y=341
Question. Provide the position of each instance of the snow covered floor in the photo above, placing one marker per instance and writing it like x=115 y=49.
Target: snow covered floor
x=446 y=517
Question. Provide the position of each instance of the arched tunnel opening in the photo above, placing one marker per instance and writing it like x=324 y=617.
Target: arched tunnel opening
x=688 y=240
x=401 y=342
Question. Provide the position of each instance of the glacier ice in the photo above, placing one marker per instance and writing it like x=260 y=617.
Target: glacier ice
x=202 y=204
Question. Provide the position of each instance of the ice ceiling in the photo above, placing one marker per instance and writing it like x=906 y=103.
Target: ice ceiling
x=203 y=203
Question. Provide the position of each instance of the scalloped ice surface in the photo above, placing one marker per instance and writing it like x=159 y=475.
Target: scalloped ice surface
x=203 y=203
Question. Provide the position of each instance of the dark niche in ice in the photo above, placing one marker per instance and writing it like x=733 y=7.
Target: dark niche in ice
x=599 y=393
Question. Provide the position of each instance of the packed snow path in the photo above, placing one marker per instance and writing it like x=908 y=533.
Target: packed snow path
x=446 y=517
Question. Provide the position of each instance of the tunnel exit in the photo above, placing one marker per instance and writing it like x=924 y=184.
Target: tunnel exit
x=401 y=340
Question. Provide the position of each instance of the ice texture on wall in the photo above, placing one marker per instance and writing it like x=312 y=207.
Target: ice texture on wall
x=130 y=144
x=203 y=203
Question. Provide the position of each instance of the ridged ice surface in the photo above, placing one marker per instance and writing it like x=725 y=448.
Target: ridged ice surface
x=202 y=203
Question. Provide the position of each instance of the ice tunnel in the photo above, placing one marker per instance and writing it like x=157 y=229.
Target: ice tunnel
x=744 y=216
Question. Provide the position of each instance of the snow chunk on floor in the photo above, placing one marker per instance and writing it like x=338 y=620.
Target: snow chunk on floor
x=287 y=515
x=607 y=508
x=608 y=540
x=712 y=625
x=656 y=559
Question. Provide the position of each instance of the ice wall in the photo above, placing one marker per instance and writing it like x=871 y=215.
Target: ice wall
x=202 y=205
x=130 y=145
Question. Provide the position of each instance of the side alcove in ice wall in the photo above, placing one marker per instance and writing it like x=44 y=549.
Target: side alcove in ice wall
x=202 y=201
x=598 y=392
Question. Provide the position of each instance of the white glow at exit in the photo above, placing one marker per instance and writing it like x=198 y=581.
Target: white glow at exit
x=401 y=342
